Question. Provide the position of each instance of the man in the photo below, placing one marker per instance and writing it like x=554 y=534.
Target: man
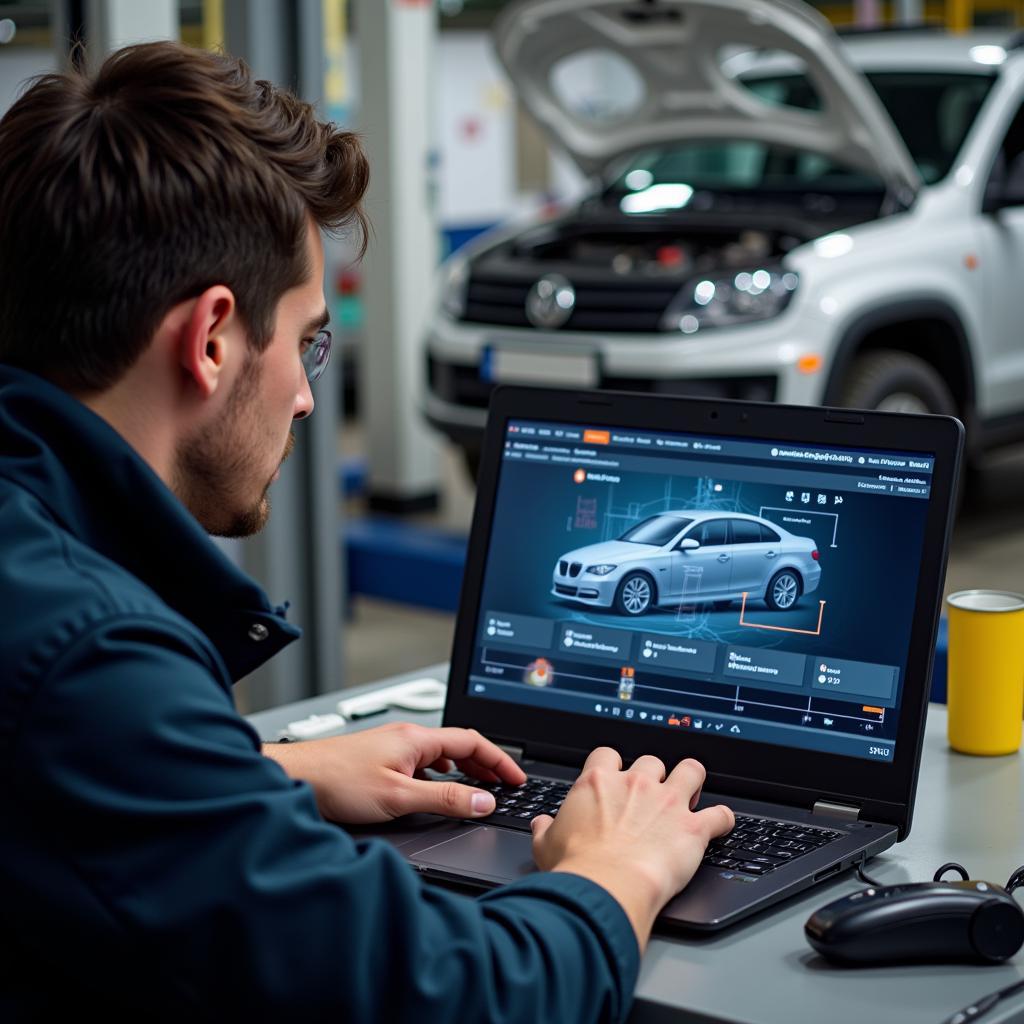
x=161 y=310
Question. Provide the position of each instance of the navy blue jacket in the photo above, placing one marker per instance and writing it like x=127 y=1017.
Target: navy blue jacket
x=151 y=856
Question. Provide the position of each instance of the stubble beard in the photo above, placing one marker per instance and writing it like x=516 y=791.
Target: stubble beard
x=216 y=467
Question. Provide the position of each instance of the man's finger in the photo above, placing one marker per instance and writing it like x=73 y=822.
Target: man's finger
x=648 y=764
x=468 y=745
x=451 y=799
x=603 y=757
x=477 y=771
x=540 y=825
x=689 y=776
x=716 y=821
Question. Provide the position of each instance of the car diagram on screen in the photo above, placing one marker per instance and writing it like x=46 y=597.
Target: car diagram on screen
x=685 y=557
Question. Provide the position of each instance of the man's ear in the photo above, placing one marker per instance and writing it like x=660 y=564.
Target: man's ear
x=206 y=336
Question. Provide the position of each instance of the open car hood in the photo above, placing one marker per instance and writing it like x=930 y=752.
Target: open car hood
x=606 y=77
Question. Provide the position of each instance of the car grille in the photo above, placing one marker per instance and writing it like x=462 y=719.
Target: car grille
x=574 y=569
x=563 y=567
x=606 y=307
x=561 y=588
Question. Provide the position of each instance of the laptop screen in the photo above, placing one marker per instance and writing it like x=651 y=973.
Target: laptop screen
x=749 y=589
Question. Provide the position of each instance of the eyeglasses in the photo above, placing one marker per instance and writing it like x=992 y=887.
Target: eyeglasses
x=314 y=358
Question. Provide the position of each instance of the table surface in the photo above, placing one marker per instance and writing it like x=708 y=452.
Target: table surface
x=761 y=971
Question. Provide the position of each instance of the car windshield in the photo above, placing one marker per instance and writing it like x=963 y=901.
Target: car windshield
x=658 y=530
x=931 y=110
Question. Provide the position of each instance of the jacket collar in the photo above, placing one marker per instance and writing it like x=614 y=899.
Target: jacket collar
x=99 y=489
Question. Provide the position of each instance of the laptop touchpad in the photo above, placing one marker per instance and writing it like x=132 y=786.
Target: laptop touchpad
x=484 y=852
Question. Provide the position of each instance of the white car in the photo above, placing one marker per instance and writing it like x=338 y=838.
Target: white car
x=776 y=213
x=682 y=558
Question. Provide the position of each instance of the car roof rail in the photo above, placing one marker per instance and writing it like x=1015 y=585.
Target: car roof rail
x=932 y=27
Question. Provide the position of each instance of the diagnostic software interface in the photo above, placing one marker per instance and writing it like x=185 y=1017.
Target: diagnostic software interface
x=751 y=589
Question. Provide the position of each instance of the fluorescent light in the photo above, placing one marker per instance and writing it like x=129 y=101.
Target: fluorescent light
x=987 y=54
x=657 y=197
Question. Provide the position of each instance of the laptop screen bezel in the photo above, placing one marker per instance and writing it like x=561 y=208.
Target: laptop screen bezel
x=882 y=790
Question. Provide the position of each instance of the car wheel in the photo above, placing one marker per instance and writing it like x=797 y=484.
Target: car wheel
x=635 y=594
x=891 y=381
x=784 y=590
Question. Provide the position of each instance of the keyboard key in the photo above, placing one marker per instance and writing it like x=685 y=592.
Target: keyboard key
x=752 y=869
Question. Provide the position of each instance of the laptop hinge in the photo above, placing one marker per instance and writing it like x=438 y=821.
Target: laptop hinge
x=845 y=811
x=516 y=753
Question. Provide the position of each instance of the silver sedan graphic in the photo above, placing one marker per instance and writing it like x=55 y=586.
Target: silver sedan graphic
x=680 y=558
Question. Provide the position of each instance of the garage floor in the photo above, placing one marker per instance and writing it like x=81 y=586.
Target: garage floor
x=988 y=551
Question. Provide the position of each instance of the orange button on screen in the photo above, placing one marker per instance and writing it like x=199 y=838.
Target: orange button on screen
x=596 y=437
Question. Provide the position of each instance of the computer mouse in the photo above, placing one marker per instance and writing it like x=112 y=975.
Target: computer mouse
x=970 y=920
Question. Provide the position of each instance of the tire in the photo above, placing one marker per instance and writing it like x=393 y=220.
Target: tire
x=784 y=590
x=892 y=381
x=635 y=594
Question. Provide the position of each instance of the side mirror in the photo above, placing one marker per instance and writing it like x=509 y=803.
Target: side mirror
x=689 y=544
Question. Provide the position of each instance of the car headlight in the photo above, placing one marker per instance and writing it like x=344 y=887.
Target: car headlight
x=601 y=570
x=454 y=283
x=737 y=298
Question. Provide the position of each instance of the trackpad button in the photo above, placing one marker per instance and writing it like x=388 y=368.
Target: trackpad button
x=494 y=854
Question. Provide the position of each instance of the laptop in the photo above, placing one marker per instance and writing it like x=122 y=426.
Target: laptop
x=753 y=585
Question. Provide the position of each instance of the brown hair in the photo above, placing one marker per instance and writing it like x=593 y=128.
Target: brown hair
x=123 y=194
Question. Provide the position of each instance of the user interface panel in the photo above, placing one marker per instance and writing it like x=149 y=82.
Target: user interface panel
x=748 y=589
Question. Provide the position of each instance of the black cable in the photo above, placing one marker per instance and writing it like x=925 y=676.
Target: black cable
x=862 y=876
x=951 y=866
x=984 y=1004
x=1016 y=880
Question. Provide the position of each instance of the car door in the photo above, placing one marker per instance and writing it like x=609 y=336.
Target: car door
x=754 y=554
x=1001 y=362
x=702 y=573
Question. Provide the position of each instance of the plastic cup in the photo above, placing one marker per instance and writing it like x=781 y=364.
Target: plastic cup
x=985 y=671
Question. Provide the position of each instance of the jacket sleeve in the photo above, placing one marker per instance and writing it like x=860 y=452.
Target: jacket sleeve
x=167 y=859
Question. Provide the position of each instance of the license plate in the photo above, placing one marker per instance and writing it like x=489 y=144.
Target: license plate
x=528 y=366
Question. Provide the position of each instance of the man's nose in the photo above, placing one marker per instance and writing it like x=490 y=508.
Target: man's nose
x=304 y=401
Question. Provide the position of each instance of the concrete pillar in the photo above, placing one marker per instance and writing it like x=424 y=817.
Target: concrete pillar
x=396 y=41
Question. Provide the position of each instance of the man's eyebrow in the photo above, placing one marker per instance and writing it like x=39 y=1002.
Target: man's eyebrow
x=318 y=322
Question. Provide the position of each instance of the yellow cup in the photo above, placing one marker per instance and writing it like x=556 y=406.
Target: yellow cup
x=985 y=671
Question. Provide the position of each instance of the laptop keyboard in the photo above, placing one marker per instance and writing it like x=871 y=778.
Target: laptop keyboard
x=755 y=846
x=517 y=805
x=758 y=845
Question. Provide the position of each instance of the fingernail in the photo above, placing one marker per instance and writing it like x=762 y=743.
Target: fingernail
x=482 y=803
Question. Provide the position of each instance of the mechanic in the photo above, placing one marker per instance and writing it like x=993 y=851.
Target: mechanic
x=161 y=308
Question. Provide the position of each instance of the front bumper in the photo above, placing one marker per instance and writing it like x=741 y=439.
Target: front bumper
x=598 y=591
x=756 y=362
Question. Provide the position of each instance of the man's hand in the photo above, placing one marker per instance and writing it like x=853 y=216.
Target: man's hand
x=377 y=774
x=633 y=832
